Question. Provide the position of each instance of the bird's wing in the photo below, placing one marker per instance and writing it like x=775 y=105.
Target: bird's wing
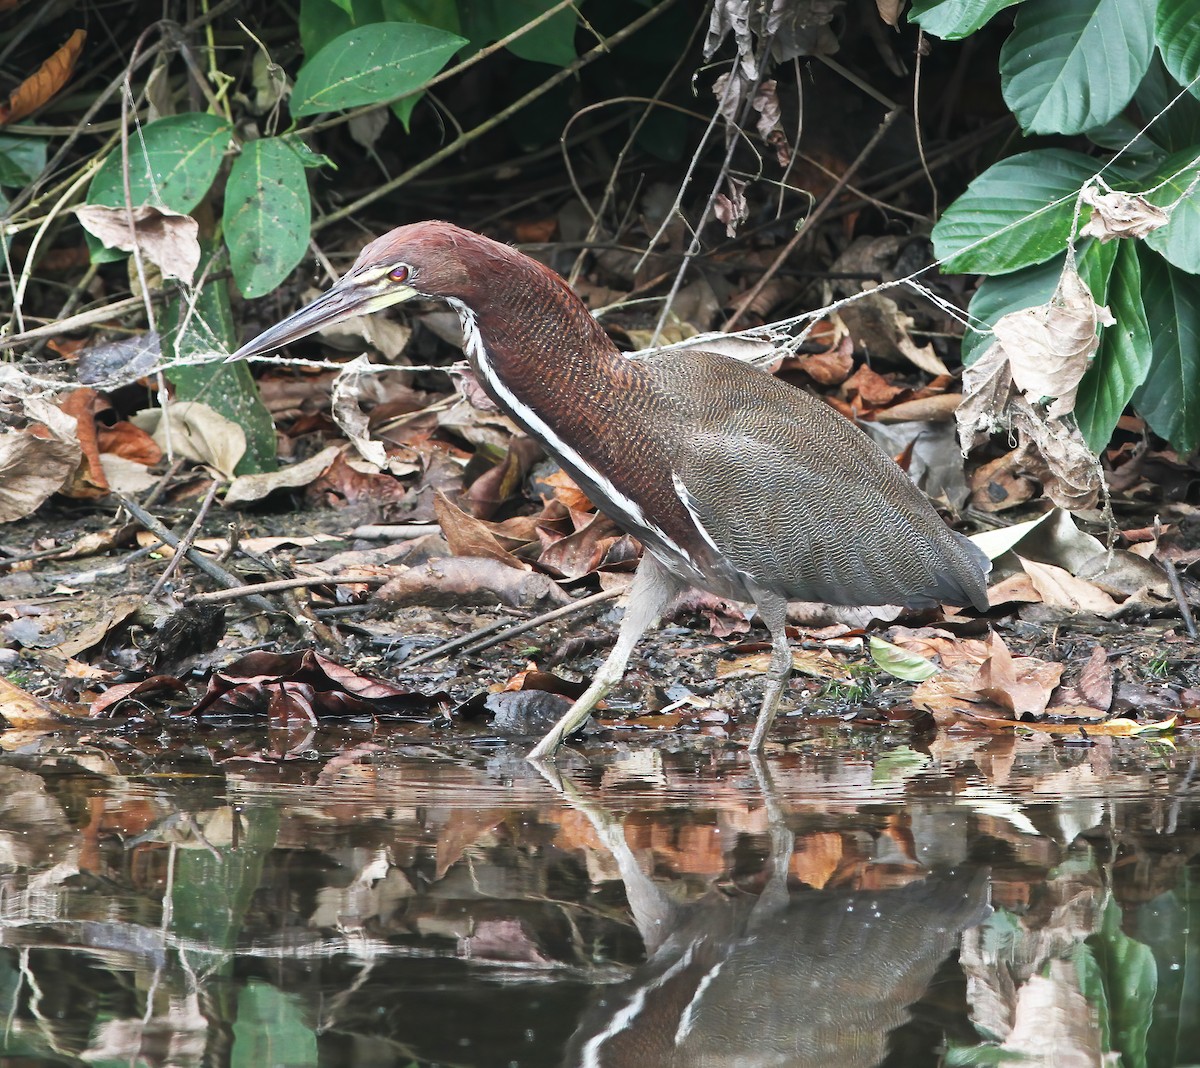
x=802 y=502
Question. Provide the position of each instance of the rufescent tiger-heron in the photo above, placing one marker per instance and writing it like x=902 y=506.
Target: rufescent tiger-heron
x=734 y=481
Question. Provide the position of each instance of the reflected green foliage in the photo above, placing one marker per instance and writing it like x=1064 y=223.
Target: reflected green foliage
x=270 y=1030
x=215 y=883
x=1119 y=979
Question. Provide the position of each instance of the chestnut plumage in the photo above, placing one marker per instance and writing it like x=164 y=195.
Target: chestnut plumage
x=734 y=481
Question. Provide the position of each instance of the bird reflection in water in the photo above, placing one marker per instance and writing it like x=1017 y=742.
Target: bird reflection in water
x=818 y=978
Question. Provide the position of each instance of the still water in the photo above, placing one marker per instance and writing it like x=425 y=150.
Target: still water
x=848 y=901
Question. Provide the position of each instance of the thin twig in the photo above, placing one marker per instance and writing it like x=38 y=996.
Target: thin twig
x=275 y=585
x=189 y=539
x=811 y=220
x=546 y=617
x=213 y=571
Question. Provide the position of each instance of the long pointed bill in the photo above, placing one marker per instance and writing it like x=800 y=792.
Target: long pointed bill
x=349 y=297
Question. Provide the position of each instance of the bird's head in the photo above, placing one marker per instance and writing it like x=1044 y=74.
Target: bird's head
x=426 y=259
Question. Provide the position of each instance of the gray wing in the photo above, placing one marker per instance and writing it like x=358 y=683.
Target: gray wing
x=802 y=502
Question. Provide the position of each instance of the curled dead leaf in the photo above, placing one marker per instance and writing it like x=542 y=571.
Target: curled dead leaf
x=166 y=238
x=1120 y=214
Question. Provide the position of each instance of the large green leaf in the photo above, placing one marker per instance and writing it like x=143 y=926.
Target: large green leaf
x=1017 y=213
x=552 y=41
x=267 y=215
x=954 y=19
x=227 y=387
x=172 y=163
x=1169 y=399
x=372 y=65
x=1123 y=359
x=1073 y=64
x=1177 y=29
x=1179 y=240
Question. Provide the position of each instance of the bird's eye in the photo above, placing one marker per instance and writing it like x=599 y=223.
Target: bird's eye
x=399 y=274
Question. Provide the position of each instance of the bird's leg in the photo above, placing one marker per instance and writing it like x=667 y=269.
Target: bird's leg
x=652 y=589
x=772 y=610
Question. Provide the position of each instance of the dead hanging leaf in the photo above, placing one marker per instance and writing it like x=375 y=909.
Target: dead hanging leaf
x=255 y=487
x=167 y=239
x=197 y=432
x=1119 y=214
x=889 y=11
x=732 y=209
x=987 y=389
x=1042 y=351
x=770 y=124
x=1048 y=347
x=40 y=86
x=1056 y=453
x=348 y=390
x=117 y=363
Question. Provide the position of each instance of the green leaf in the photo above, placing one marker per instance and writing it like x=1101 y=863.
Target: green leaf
x=955 y=19
x=227 y=387
x=1122 y=362
x=552 y=41
x=371 y=65
x=1169 y=399
x=21 y=159
x=1177 y=30
x=1130 y=978
x=269 y=1030
x=1017 y=213
x=171 y=164
x=1070 y=65
x=267 y=215
x=903 y=665
x=1177 y=128
x=1179 y=241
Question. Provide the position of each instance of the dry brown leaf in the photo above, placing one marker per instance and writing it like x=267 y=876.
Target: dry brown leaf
x=816 y=663
x=1020 y=684
x=471 y=580
x=471 y=537
x=1060 y=588
x=31 y=469
x=24 y=711
x=166 y=238
x=255 y=487
x=47 y=80
x=197 y=432
x=127 y=441
x=1120 y=215
x=889 y=11
x=90 y=481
